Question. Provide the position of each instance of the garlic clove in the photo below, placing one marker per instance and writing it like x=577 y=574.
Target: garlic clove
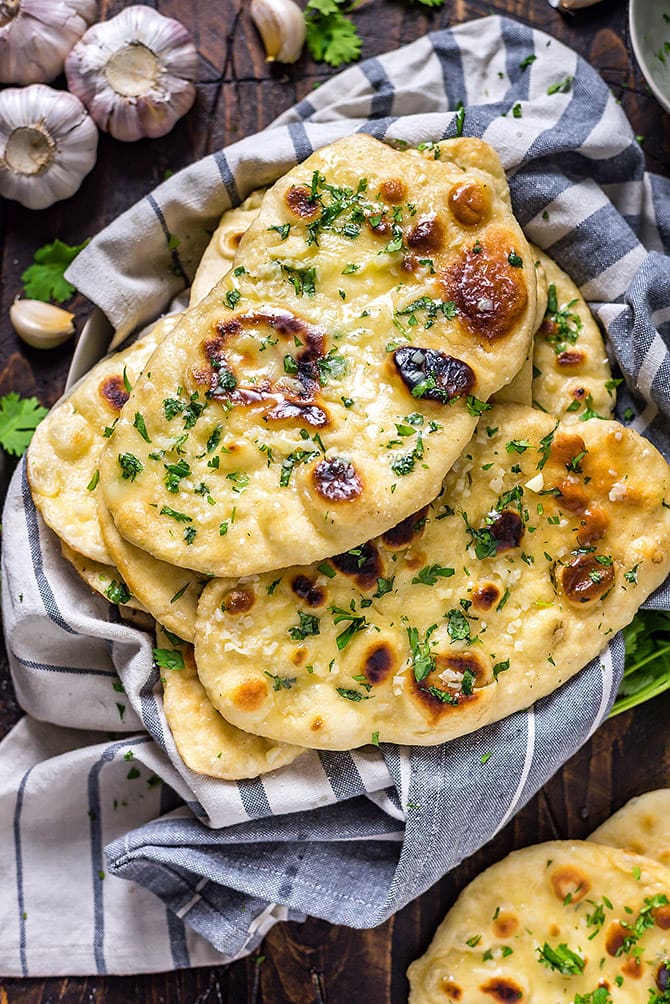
x=48 y=144
x=36 y=36
x=40 y=324
x=135 y=73
x=281 y=25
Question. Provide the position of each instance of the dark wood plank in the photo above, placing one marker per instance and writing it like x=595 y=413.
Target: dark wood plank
x=239 y=93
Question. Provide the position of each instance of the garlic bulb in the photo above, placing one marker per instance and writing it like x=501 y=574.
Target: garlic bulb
x=41 y=324
x=36 y=36
x=281 y=25
x=48 y=145
x=134 y=73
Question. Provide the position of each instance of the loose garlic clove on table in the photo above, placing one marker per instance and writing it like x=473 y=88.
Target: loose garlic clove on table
x=281 y=25
x=40 y=324
x=135 y=73
x=36 y=36
x=48 y=144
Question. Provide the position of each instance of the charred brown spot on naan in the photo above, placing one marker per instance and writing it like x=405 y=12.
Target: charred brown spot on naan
x=564 y=449
x=393 y=190
x=502 y=989
x=337 y=480
x=407 y=531
x=451 y=989
x=489 y=292
x=505 y=925
x=661 y=915
x=317 y=724
x=586 y=579
x=663 y=975
x=570 y=358
x=431 y=691
x=507 y=529
x=238 y=601
x=302 y=203
x=299 y=656
x=294 y=398
x=632 y=967
x=379 y=663
x=309 y=591
x=113 y=391
x=568 y=881
x=485 y=595
x=250 y=695
x=469 y=202
x=594 y=526
x=427 y=235
x=438 y=376
x=362 y=564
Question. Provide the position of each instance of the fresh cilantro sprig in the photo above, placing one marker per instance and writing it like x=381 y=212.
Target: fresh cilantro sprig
x=647 y=666
x=19 y=417
x=332 y=37
x=45 y=278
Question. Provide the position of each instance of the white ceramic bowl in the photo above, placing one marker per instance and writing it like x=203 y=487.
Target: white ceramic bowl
x=649 y=31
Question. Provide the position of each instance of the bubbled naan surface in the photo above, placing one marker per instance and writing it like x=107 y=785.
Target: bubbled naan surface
x=64 y=453
x=223 y=246
x=206 y=742
x=641 y=826
x=573 y=894
x=280 y=393
x=566 y=558
x=169 y=593
x=571 y=368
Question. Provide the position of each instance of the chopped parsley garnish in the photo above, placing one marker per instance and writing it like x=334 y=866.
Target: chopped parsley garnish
x=460 y=114
x=475 y=406
x=332 y=366
x=432 y=309
x=513 y=258
x=280 y=682
x=117 y=592
x=309 y=625
x=283 y=229
x=500 y=667
x=353 y=695
x=293 y=460
x=233 y=297
x=518 y=446
x=357 y=622
x=527 y=60
x=458 y=625
x=180 y=592
x=429 y=574
x=565 y=327
x=384 y=586
x=597 y=918
x=562 y=959
x=561 y=86
x=240 y=480
x=93 y=483
x=130 y=466
x=167 y=658
x=179 y=517
x=600 y=995
x=174 y=473
x=644 y=921
x=303 y=280
x=139 y=424
x=406 y=463
x=485 y=544
x=423 y=661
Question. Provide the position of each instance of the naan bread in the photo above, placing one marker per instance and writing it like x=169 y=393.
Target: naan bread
x=520 y=389
x=641 y=826
x=222 y=248
x=572 y=374
x=103 y=579
x=62 y=462
x=169 y=593
x=273 y=410
x=550 y=923
x=544 y=541
x=206 y=743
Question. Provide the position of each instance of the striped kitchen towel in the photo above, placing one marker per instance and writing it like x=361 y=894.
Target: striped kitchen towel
x=148 y=866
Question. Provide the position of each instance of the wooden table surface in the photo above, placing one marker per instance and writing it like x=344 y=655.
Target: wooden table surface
x=239 y=93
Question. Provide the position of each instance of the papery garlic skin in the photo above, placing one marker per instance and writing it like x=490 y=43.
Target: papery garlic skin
x=134 y=73
x=281 y=25
x=41 y=325
x=36 y=36
x=48 y=144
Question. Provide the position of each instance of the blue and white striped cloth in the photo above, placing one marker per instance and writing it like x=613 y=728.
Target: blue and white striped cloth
x=114 y=858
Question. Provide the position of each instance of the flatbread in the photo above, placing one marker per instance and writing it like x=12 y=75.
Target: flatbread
x=206 y=743
x=103 y=579
x=641 y=826
x=520 y=389
x=222 y=248
x=545 y=925
x=64 y=452
x=572 y=374
x=170 y=594
x=544 y=541
x=295 y=388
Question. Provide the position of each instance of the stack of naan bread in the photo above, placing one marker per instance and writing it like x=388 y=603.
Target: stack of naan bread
x=370 y=476
x=567 y=921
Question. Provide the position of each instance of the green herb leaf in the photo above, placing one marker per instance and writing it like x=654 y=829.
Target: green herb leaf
x=19 y=417
x=167 y=658
x=45 y=278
